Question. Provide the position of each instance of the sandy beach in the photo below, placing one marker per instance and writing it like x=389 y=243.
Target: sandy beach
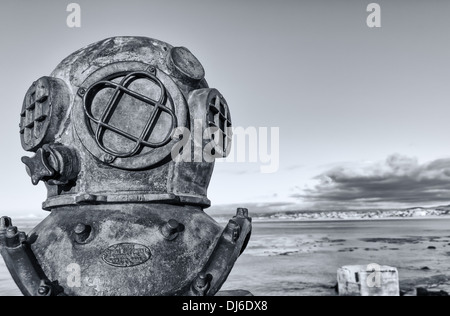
x=301 y=258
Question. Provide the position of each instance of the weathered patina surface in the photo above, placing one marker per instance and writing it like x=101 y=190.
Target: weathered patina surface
x=126 y=218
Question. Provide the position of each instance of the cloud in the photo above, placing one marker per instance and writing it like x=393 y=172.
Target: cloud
x=398 y=181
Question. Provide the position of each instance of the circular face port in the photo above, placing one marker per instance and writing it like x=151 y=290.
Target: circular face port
x=126 y=114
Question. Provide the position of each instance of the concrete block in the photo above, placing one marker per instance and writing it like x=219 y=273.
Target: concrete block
x=371 y=280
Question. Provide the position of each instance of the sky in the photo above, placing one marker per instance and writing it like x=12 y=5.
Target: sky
x=362 y=113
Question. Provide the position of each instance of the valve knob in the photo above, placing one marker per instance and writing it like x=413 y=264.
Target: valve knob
x=38 y=166
x=185 y=66
x=55 y=164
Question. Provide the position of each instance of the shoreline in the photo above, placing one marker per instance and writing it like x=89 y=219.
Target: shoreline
x=326 y=220
x=349 y=219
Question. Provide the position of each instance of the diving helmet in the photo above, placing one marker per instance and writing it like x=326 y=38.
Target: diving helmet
x=126 y=215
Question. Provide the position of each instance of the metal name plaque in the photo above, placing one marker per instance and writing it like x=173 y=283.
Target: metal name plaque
x=126 y=255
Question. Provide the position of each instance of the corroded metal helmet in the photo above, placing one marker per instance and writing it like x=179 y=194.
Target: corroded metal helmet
x=126 y=218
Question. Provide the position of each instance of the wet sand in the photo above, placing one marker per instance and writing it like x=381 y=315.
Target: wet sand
x=302 y=258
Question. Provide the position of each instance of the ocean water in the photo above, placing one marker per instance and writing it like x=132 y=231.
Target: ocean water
x=302 y=258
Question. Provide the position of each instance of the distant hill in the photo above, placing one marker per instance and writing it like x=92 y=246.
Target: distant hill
x=311 y=215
